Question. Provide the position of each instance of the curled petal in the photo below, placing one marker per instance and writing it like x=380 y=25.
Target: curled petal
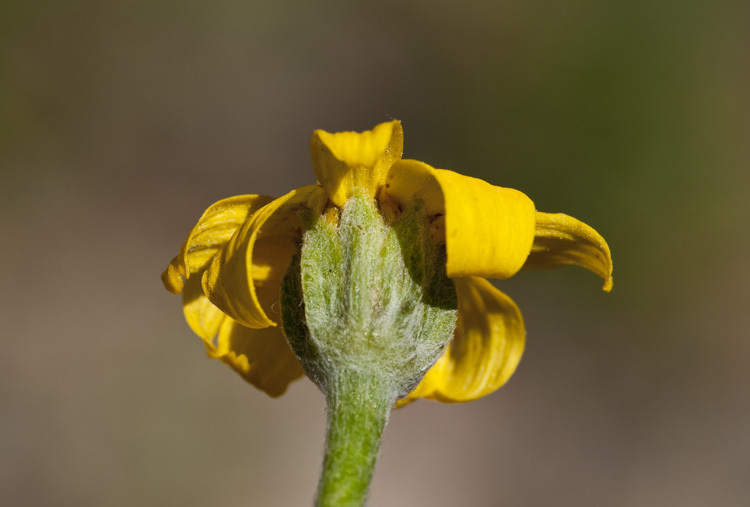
x=270 y=257
x=213 y=230
x=257 y=255
x=261 y=356
x=485 y=349
x=201 y=315
x=348 y=160
x=488 y=230
x=561 y=239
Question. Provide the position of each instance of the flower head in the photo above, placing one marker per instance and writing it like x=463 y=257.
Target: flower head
x=231 y=266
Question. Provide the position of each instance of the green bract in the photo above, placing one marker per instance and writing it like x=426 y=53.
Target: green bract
x=367 y=295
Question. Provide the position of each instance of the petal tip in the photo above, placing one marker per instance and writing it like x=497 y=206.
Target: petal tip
x=561 y=240
x=171 y=278
x=357 y=149
x=344 y=161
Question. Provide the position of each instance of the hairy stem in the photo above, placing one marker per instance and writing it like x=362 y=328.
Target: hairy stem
x=358 y=407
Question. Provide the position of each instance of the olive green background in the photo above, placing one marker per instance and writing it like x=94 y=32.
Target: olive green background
x=121 y=121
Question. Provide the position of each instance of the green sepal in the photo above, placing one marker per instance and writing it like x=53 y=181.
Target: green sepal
x=368 y=309
x=370 y=296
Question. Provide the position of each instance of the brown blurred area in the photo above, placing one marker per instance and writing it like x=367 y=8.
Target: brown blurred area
x=121 y=121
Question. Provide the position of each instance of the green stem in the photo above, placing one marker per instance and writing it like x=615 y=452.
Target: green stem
x=358 y=407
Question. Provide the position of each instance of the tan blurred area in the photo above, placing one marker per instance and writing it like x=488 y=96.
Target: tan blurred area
x=121 y=121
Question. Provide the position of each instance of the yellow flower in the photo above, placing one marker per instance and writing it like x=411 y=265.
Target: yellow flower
x=233 y=261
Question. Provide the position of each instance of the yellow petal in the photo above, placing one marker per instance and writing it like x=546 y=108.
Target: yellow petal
x=349 y=160
x=258 y=254
x=488 y=230
x=261 y=356
x=270 y=257
x=213 y=230
x=561 y=239
x=485 y=350
x=201 y=315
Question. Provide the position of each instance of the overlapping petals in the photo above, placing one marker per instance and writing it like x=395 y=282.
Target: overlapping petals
x=213 y=230
x=231 y=238
x=485 y=350
x=261 y=356
x=234 y=258
x=256 y=256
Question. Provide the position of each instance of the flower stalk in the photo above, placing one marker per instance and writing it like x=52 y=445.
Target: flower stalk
x=367 y=309
x=359 y=403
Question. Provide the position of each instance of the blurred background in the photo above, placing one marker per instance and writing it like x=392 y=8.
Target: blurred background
x=121 y=121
